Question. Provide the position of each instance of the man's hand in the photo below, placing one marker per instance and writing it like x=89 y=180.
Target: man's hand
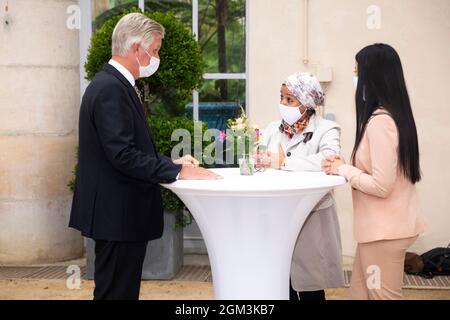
x=187 y=160
x=197 y=173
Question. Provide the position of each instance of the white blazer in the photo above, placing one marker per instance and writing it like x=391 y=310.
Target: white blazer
x=317 y=258
x=305 y=156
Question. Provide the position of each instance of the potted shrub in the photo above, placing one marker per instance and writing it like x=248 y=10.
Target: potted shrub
x=165 y=256
x=180 y=72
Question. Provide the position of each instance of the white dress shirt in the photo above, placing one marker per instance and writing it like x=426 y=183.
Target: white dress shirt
x=124 y=71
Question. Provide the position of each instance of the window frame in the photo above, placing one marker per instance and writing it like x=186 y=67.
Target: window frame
x=86 y=34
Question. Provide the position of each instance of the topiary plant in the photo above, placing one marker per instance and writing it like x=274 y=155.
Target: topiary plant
x=181 y=68
x=182 y=10
x=162 y=128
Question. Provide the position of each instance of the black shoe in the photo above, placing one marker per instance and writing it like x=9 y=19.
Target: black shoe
x=312 y=295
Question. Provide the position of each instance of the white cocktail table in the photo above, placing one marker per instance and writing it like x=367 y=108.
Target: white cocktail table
x=250 y=225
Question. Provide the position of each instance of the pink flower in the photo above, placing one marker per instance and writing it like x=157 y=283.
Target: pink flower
x=222 y=136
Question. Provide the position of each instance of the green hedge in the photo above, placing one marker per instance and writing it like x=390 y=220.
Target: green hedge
x=181 y=69
x=162 y=128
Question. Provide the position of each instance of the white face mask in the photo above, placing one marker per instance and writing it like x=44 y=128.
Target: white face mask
x=145 y=72
x=355 y=82
x=290 y=114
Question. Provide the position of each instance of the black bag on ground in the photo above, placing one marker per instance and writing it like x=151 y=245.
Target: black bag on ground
x=437 y=261
x=429 y=264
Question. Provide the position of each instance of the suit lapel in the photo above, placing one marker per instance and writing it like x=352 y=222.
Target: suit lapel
x=294 y=141
x=300 y=137
x=137 y=103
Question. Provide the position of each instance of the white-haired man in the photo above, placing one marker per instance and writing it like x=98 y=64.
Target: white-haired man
x=117 y=200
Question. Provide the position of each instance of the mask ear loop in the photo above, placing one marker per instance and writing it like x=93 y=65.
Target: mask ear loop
x=137 y=59
x=137 y=51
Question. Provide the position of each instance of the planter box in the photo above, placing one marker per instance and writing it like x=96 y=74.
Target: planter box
x=164 y=257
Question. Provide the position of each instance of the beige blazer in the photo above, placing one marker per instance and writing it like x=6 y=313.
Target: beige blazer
x=385 y=202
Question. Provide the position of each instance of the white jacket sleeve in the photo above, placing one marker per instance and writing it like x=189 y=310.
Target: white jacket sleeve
x=329 y=145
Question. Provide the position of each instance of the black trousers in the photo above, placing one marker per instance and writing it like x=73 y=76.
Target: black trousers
x=118 y=269
x=306 y=295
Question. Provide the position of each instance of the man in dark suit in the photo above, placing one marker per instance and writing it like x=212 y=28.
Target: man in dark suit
x=117 y=200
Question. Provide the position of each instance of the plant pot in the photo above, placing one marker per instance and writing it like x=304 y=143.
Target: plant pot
x=164 y=256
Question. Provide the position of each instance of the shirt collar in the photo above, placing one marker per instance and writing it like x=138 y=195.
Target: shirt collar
x=124 y=71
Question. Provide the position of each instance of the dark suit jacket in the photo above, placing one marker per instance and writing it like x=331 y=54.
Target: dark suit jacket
x=117 y=195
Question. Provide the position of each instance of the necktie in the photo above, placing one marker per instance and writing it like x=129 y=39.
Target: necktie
x=138 y=93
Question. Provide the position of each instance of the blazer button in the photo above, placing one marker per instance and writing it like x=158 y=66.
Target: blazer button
x=288 y=154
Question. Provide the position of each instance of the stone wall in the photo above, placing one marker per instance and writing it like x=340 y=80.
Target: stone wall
x=39 y=103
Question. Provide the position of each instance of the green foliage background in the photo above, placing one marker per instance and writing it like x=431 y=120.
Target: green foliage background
x=183 y=62
x=162 y=128
x=207 y=38
x=180 y=72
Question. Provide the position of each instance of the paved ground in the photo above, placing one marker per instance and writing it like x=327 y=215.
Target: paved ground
x=56 y=289
x=158 y=290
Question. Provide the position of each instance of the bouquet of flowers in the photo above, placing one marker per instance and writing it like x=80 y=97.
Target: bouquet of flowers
x=242 y=140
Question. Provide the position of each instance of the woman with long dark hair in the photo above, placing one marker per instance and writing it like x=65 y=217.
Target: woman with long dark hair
x=383 y=172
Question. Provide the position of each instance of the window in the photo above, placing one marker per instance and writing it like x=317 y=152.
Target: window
x=220 y=28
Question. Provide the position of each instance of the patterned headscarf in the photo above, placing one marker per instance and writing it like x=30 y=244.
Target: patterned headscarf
x=306 y=88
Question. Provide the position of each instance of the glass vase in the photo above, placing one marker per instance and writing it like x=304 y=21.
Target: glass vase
x=247 y=165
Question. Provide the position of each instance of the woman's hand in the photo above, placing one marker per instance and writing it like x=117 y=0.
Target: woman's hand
x=269 y=159
x=188 y=160
x=277 y=159
x=331 y=164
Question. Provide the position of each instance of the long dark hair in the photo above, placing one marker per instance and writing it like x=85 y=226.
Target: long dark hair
x=381 y=84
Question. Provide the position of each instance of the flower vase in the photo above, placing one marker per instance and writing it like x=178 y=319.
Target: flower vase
x=247 y=165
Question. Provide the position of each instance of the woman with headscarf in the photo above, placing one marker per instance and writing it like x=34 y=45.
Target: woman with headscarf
x=299 y=142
